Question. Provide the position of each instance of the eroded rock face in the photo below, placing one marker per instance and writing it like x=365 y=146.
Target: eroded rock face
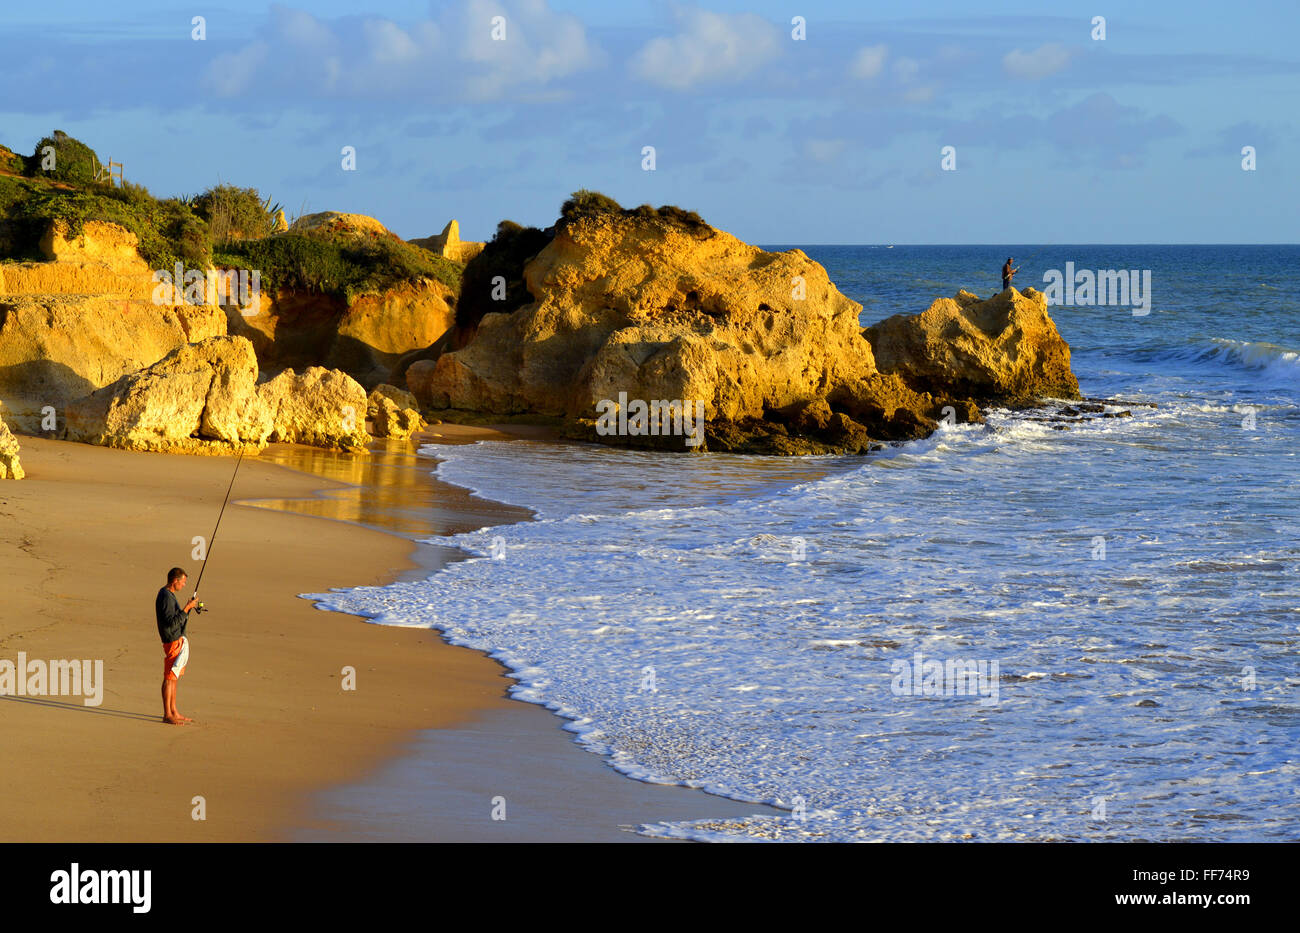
x=321 y=407
x=98 y=241
x=10 y=467
x=205 y=398
x=640 y=306
x=449 y=245
x=1005 y=349
x=365 y=339
x=659 y=311
x=200 y=398
x=82 y=319
x=393 y=412
x=57 y=348
x=419 y=379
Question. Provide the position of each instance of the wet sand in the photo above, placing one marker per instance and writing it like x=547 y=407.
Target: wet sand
x=516 y=760
x=85 y=544
x=280 y=751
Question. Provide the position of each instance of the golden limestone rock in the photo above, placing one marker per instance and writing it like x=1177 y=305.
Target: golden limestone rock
x=10 y=468
x=365 y=338
x=201 y=397
x=393 y=412
x=83 y=318
x=449 y=245
x=1005 y=349
x=319 y=406
x=56 y=348
x=634 y=311
x=657 y=310
x=205 y=398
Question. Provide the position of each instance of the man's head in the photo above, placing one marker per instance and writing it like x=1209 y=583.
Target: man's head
x=176 y=578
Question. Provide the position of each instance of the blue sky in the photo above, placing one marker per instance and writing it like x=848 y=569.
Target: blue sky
x=1059 y=138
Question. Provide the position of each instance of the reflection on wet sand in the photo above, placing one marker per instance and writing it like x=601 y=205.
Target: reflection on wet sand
x=391 y=488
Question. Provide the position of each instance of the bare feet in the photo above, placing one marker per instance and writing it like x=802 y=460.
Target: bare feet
x=173 y=721
x=183 y=718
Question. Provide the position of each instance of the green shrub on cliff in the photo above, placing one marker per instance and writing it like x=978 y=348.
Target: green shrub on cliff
x=11 y=161
x=504 y=256
x=345 y=269
x=234 y=213
x=672 y=214
x=584 y=203
x=15 y=240
x=167 y=230
x=64 y=158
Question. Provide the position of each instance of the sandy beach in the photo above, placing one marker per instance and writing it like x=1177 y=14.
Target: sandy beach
x=86 y=541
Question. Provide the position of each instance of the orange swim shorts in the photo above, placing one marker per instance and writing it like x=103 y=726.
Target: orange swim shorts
x=176 y=654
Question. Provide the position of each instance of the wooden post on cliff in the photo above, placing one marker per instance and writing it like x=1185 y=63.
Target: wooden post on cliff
x=112 y=173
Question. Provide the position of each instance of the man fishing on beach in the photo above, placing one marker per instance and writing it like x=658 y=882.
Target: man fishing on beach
x=1007 y=273
x=172 y=620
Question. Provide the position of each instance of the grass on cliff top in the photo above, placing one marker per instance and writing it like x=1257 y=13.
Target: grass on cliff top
x=226 y=226
x=584 y=203
x=11 y=161
x=346 y=267
x=168 y=230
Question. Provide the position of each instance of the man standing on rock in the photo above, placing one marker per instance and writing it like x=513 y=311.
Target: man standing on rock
x=172 y=620
x=1007 y=273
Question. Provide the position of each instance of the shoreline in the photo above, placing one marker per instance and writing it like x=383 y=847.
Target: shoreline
x=87 y=538
x=434 y=787
x=277 y=740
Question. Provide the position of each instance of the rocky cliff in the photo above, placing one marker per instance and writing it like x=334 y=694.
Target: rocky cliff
x=635 y=310
x=660 y=311
x=205 y=398
x=1005 y=349
x=87 y=315
x=81 y=319
x=449 y=245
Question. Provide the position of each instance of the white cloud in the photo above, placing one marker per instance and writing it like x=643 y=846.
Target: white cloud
x=387 y=43
x=709 y=47
x=455 y=53
x=869 y=62
x=540 y=45
x=301 y=28
x=1041 y=62
x=233 y=73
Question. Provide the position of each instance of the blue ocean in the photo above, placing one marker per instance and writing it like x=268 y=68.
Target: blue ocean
x=766 y=628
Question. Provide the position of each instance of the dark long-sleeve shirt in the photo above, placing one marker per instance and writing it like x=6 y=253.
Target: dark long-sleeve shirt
x=171 y=621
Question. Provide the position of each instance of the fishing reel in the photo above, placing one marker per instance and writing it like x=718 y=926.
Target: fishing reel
x=199 y=607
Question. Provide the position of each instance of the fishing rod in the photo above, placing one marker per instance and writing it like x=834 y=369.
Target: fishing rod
x=213 y=540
